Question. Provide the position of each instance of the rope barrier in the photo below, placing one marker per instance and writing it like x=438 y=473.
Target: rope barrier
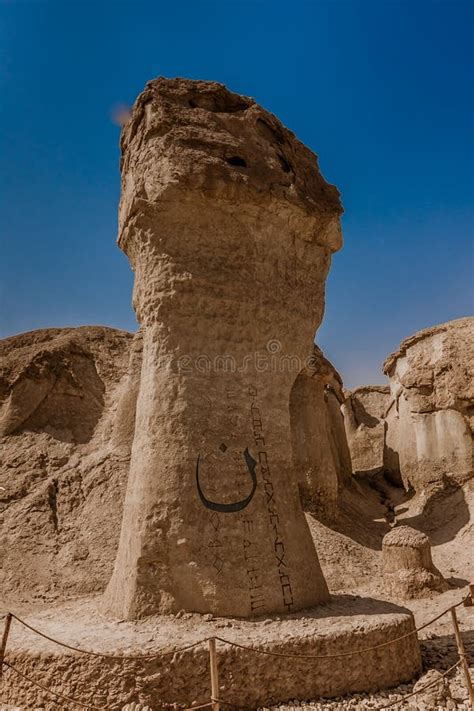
x=340 y=654
x=221 y=701
x=423 y=688
x=109 y=656
x=236 y=644
x=211 y=641
x=53 y=693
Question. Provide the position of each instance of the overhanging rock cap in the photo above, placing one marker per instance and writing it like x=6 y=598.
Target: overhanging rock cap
x=199 y=136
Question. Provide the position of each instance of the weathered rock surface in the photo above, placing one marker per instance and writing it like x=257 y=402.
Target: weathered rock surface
x=438 y=691
x=67 y=417
x=430 y=423
x=321 y=453
x=364 y=418
x=167 y=681
x=419 y=429
x=408 y=566
x=229 y=227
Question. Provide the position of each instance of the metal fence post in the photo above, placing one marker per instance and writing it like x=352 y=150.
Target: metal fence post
x=214 y=675
x=462 y=655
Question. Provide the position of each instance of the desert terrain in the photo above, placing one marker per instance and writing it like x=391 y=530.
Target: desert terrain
x=125 y=529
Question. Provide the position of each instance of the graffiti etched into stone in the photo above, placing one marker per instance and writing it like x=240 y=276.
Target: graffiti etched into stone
x=252 y=566
x=215 y=544
x=273 y=517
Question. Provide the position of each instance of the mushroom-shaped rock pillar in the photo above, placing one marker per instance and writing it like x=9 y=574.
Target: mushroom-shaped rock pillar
x=229 y=228
x=409 y=569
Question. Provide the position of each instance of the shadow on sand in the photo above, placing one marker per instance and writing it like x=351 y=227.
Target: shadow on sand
x=444 y=514
x=441 y=651
x=342 y=606
x=373 y=503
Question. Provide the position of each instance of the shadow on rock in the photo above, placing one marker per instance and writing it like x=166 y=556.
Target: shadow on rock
x=443 y=515
x=441 y=652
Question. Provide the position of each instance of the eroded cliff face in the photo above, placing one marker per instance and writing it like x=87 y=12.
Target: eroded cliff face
x=229 y=228
x=430 y=423
x=419 y=428
x=364 y=411
x=320 y=449
x=67 y=411
x=68 y=422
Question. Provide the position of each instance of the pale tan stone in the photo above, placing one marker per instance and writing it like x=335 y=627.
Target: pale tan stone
x=229 y=227
x=429 y=425
x=320 y=449
x=179 y=681
x=408 y=566
x=364 y=418
x=65 y=446
x=419 y=430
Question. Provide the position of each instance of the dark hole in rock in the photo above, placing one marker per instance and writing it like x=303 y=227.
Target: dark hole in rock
x=237 y=160
x=156 y=132
x=285 y=165
x=226 y=103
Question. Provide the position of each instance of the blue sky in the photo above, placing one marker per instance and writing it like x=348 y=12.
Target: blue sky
x=381 y=90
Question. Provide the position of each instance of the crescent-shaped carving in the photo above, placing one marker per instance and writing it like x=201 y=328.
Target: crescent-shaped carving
x=236 y=505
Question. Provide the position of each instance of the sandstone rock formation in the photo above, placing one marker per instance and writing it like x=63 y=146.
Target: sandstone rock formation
x=430 y=421
x=419 y=429
x=321 y=453
x=165 y=681
x=364 y=418
x=229 y=227
x=66 y=416
x=408 y=567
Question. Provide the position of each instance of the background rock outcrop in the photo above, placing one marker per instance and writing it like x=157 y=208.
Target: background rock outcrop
x=418 y=430
x=430 y=423
x=364 y=411
x=66 y=410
